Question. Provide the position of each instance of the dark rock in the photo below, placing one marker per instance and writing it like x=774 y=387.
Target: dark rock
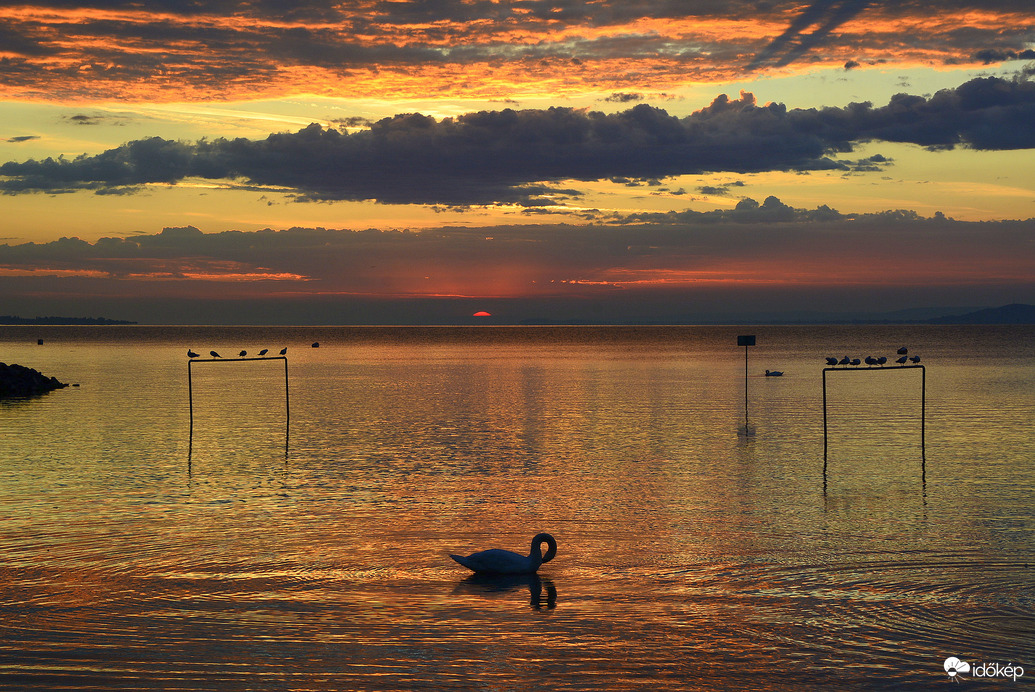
x=18 y=380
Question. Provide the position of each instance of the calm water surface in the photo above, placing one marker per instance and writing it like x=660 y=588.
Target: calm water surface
x=261 y=552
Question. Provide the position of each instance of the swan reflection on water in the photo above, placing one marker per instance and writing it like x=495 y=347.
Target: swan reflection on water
x=492 y=585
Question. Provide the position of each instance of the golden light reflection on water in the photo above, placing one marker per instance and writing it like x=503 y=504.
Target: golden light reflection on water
x=689 y=557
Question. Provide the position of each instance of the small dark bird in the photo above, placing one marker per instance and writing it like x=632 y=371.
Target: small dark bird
x=844 y=361
x=831 y=361
x=264 y=352
x=903 y=351
x=316 y=344
x=773 y=373
x=915 y=359
x=214 y=354
x=192 y=354
x=870 y=360
x=242 y=354
x=902 y=360
x=855 y=361
x=283 y=351
x=882 y=360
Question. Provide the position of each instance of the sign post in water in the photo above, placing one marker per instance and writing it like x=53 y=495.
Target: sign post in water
x=746 y=340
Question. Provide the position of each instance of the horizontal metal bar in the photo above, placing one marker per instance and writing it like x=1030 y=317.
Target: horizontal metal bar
x=231 y=360
x=852 y=368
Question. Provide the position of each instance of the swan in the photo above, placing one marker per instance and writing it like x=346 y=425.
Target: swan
x=497 y=561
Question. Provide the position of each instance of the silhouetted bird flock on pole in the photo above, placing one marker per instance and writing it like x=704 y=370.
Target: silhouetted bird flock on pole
x=262 y=354
x=870 y=361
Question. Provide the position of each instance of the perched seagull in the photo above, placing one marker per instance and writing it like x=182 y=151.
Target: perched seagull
x=192 y=354
x=264 y=351
x=855 y=361
x=242 y=354
x=903 y=351
x=844 y=361
x=915 y=359
x=214 y=354
x=831 y=361
x=902 y=360
x=283 y=351
x=773 y=373
x=882 y=360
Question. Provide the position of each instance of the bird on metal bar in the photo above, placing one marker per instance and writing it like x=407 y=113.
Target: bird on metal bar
x=264 y=352
x=242 y=354
x=192 y=354
x=283 y=351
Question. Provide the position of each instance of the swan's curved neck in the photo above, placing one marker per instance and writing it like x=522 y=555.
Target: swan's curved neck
x=536 y=556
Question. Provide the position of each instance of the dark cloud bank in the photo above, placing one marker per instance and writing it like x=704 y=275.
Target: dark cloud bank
x=513 y=156
x=756 y=262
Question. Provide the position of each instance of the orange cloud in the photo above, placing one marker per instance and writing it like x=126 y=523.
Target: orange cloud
x=380 y=50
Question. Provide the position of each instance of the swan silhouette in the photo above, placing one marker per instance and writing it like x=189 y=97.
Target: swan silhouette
x=497 y=561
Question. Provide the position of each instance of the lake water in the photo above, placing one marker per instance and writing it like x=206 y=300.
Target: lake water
x=259 y=550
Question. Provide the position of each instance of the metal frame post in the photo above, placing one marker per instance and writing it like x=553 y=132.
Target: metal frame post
x=923 y=404
x=190 y=391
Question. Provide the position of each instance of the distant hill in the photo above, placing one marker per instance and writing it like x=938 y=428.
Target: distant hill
x=1015 y=313
x=11 y=319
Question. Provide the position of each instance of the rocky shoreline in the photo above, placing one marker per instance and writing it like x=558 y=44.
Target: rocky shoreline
x=18 y=380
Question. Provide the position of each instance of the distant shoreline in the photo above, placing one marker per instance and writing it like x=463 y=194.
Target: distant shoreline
x=31 y=321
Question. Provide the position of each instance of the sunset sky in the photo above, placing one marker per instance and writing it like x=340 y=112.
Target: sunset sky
x=368 y=161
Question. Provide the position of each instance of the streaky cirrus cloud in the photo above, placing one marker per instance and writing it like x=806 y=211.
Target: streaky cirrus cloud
x=518 y=156
x=228 y=49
